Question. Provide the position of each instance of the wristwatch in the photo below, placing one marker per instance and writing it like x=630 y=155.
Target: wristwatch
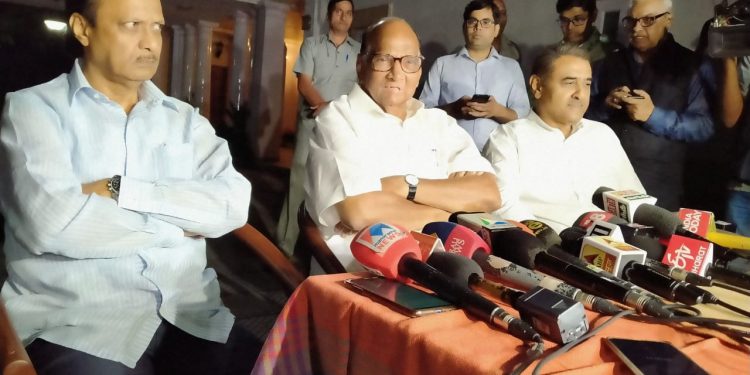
x=113 y=185
x=412 y=181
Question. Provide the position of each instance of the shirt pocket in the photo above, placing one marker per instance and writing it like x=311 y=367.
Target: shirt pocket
x=174 y=160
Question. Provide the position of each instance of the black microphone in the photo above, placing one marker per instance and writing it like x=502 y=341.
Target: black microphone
x=462 y=240
x=560 y=318
x=528 y=251
x=662 y=285
x=573 y=241
x=390 y=251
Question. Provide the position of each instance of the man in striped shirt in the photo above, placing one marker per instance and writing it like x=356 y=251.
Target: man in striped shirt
x=109 y=189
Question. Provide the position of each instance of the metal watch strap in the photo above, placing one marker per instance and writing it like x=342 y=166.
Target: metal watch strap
x=113 y=185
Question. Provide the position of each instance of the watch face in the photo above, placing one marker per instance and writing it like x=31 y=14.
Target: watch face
x=411 y=179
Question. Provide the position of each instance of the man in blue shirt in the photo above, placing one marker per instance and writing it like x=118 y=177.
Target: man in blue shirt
x=478 y=69
x=109 y=188
x=652 y=96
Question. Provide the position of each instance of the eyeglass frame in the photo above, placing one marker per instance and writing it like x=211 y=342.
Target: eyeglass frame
x=640 y=20
x=478 y=23
x=565 y=21
x=393 y=60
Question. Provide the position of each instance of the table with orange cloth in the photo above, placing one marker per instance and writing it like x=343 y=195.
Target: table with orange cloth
x=327 y=328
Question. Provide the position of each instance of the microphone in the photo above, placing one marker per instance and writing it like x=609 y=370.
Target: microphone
x=486 y=225
x=662 y=285
x=573 y=242
x=609 y=254
x=623 y=203
x=529 y=252
x=703 y=224
x=390 y=251
x=689 y=254
x=543 y=232
x=587 y=218
x=558 y=317
x=461 y=240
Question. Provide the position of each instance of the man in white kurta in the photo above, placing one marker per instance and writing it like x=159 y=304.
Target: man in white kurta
x=549 y=164
x=367 y=143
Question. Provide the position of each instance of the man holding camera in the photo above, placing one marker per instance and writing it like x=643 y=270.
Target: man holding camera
x=651 y=95
x=476 y=85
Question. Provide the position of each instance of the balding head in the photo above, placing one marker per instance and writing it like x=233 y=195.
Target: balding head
x=390 y=86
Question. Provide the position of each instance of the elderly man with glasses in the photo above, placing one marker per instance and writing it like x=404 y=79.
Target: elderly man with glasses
x=651 y=95
x=377 y=155
x=576 y=18
x=478 y=86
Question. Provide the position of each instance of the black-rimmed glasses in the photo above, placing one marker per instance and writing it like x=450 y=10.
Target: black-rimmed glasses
x=384 y=62
x=630 y=22
x=484 y=22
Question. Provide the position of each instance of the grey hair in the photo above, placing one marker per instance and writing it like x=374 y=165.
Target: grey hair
x=667 y=4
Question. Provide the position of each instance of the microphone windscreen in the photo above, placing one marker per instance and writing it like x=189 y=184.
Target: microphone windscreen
x=521 y=226
x=664 y=221
x=518 y=247
x=572 y=239
x=457 y=238
x=458 y=268
x=381 y=246
x=586 y=219
x=652 y=246
x=598 y=197
x=544 y=232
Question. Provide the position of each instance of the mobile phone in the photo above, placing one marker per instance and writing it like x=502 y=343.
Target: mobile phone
x=633 y=95
x=479 y=98
x=403 y=298
x=653 y=357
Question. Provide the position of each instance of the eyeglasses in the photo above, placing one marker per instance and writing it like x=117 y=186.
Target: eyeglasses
x=630 y=22
x=484 y=22
x=384 y=63
x=576 y=21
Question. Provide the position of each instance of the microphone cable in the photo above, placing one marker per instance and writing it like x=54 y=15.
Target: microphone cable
x=591 y=333
x=532 y=354
x=684 y=317
x=732 y=307
x=731 y=287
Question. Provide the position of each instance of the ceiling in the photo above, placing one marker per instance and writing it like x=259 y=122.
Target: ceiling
x=181 y=11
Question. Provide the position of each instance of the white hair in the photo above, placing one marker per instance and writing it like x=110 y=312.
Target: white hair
x=667 y=4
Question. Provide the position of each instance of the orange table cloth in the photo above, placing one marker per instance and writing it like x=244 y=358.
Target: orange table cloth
x=327 y=328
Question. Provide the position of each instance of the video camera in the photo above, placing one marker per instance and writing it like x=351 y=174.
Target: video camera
x=729 y=32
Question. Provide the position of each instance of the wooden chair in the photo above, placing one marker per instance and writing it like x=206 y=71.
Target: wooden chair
x=271 y=255
x=311 y=242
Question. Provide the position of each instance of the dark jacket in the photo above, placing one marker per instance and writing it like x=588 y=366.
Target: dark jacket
x=657 y=152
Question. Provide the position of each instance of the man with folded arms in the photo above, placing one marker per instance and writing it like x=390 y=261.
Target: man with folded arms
x=549 y=164
x=377 y=155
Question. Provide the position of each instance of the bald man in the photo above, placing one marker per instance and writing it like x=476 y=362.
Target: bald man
x=377 y=155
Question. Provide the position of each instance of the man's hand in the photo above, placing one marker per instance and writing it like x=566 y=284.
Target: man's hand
x=492 y=109
x=639 y=108
x=617 y=96
x=315 y=110
x=97 y=187
x=457 y=108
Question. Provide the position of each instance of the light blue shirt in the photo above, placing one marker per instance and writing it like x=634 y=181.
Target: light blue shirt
x=456 y=75
x=99 y=275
